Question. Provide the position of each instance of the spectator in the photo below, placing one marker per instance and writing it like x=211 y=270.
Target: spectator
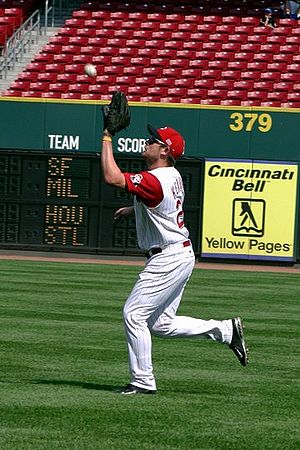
x=268 y=19
x=290 y=9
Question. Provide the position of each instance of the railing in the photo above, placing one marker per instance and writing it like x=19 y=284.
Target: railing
x=23 y=38
x=19 y=43
x=49 y=9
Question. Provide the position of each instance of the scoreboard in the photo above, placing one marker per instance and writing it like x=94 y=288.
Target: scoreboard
x=60 y=202
x=48 y=200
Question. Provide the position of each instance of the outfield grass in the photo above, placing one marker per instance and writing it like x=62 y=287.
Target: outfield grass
x=63 y=356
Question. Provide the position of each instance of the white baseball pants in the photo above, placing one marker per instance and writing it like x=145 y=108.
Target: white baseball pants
x=151 y=308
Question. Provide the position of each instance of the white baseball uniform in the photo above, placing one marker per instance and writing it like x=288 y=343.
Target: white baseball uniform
x=152 y=305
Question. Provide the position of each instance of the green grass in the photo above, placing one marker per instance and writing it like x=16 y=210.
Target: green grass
x=63 y=356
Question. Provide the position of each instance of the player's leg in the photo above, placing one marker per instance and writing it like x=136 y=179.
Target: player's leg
x=154 y=285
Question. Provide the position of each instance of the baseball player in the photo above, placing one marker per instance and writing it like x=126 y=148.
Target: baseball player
x=152 y=305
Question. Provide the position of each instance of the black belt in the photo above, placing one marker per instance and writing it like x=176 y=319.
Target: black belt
x=155 y=250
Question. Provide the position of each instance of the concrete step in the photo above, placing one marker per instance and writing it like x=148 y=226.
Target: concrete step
x=26 y=58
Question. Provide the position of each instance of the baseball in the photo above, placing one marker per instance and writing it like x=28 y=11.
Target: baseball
x=90 y=70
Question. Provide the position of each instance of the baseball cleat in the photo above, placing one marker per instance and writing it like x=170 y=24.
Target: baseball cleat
x=238 y=345
x=129 y=389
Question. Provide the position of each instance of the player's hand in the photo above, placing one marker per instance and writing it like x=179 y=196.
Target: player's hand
x=123 y=213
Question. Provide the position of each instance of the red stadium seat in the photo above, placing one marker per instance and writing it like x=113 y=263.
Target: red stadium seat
x=239 y=94
x=86 y=32
x=82 y=14
x=293 y=96
x=28 y=76
x=169 y=53
x=78 y=40
x=212 y=46
x=197 y=92
x=238 y=37
x=237 y=65
x=204 y=83
x=58 y=87
x=295 y=67
x=89 y=96
x=250 y=20
x=231 y=47
x=230 y=74
x=210 y=101
x=163 y=81
x=44 y=57
x=67 y=31
x=257 y=65
x=267 y=76
x=243 y=29
x=184 y=82
x=198 y=63
x=284 y=86
x=291 y=76
x=50 y=77
x=277 y=96
x=223 y=84
x=174 y=72
x=179 y=62
x=188 y=26
x=155 y=71
x=231 y=20
x=289 y=48
x=138 y=90
x=20 y=85
x=73 y=68
x=212 y=19
x=64 y=77
x=39 y=86
x=250 y=47
x=249 y=102
x=217 y=93
x=191 y=73
x=82 y=88
x=218 y=64
x=231 y=102
x=227 y=56
x=243 y=84
x=66 y=58
x=160 y=91
x=278 y=66
x=271 y=103
x=263 y=86
x=103 y=15
x=144 y=80
x=36 y=94
x=75 y=23
x=268 y=57
x=277 y=39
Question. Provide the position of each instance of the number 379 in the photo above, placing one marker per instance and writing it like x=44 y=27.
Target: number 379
x=247 y=121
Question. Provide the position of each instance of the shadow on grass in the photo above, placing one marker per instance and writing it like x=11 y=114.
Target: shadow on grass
x=81 y=384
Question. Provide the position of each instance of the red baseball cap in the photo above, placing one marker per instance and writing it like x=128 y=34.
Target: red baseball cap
x=171 y=138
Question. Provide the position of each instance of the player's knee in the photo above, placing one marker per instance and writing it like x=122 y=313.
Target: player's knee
x=161 y=328
x=130 y=317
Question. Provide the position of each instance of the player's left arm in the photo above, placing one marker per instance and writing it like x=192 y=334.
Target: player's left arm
x=116 y=117
x=111 y=171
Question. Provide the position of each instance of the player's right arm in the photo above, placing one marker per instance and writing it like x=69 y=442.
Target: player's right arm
x=123 y=213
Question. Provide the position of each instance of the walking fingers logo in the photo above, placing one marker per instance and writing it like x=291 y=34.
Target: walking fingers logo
x=249 y=209
x=248 y=217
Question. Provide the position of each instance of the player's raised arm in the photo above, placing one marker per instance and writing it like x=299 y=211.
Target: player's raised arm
x=116 y=117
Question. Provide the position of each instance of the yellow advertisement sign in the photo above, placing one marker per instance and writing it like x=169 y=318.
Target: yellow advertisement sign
x=249 y=209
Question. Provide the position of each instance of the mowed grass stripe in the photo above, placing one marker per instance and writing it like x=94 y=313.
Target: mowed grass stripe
x=63 y=355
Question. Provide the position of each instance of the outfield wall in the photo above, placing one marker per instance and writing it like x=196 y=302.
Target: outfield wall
x=240 y=171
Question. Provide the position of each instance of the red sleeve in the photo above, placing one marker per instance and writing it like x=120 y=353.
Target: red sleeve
x=145 y=186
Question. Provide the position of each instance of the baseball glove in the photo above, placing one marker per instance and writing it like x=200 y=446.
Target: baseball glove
x=116 y=115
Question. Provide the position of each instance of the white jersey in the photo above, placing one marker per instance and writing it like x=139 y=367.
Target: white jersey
x=159 y=196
